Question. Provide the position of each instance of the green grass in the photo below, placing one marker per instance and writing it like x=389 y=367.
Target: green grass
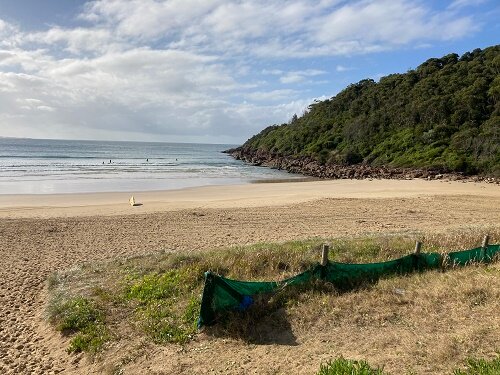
x=342 y=366
x=480 y=367
x=82 y=317
x=91 y=339
x=163 y=309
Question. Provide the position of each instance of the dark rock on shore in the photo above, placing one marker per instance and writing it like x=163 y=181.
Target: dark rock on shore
x=311 y=167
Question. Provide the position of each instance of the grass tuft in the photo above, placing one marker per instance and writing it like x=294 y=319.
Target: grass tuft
x=53 y=281
x=163 y=309
x=91 y=339
x=75 y=314
x=480 y=367
x=81 y=316
x=342 y=366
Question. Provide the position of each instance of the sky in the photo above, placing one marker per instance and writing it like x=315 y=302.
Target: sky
x=209 y=71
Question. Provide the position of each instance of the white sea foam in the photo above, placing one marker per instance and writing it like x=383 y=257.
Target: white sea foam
x=29 y=166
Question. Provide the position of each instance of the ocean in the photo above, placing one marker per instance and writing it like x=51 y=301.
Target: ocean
x=34 y=166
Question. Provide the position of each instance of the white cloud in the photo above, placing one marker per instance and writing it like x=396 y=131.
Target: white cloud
x=273 y=95
x=140 y=93
x=147 y=19
x=189 y=69
x=457 y=4
x=274 y=72
x=300 y=76
x=277 y=28
x=76 y=40
x=7 y=28
x=342 y=68
x=379 y=25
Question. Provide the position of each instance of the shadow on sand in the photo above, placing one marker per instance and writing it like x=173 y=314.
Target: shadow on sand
x=254 y=328
x=267 y=322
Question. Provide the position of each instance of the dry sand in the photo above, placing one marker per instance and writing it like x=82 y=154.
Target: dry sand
x=243 y=196
x=41 y=234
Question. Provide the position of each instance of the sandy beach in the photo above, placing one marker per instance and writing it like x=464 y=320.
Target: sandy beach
x=40 y=234
x=230 y=196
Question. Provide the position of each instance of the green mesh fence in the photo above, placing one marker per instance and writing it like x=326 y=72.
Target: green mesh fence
x=462 y=258
x=221 y=294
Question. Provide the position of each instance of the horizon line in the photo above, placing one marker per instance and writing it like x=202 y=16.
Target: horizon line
x=107 y=140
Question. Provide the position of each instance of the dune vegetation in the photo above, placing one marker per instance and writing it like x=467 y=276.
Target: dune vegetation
x=157 y=298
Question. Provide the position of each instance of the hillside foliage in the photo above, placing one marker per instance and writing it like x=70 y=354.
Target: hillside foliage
x=443 y=115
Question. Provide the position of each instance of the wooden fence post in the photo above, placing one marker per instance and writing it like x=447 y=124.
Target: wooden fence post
x=418 y=247
x=484 y=246
x=324 y=254
x=486 y=239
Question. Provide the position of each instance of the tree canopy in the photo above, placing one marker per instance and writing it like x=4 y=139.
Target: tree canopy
x=443 y=115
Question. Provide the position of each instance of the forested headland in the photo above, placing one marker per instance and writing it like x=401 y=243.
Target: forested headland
x=442 y=117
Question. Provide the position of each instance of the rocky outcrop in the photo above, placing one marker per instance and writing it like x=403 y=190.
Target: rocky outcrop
x=311 y=167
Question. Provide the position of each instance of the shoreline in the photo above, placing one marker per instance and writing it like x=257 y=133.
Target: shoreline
x=268 y=194
x=309 y=166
